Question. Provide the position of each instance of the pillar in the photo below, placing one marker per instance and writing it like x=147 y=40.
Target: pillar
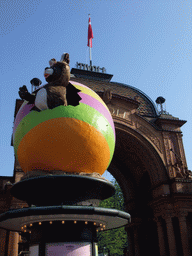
x=170 y=236
x=13 y=244
x=161 y=237
x=3 y=236
x=184 y=235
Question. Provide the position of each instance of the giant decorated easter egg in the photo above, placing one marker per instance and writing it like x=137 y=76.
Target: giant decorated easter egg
x=73 y=139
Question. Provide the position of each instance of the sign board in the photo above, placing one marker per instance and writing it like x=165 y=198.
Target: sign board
x=34 y=250
x=68 y=249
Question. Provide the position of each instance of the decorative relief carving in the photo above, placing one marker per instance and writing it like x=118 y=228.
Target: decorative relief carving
x=121 y=112
x=118 y=107
x=156 y=141
x=129 y=116
x=171 y=172
x=175 y=157
x=168 y=215
x=180 y=169
x=107 y=96
x=181 y=149
x=188 y=173
x=182 y=214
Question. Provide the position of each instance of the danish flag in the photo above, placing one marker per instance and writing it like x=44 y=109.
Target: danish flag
x=90 y=34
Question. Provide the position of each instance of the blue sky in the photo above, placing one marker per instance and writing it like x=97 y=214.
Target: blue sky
x=145 y=44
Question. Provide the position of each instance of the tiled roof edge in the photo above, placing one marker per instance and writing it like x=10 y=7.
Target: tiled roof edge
x=142 y=93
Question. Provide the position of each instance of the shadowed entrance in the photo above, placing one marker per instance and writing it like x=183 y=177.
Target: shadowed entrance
x=138 y=169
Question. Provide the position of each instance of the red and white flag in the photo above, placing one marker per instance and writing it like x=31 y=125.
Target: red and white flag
x=90 y=34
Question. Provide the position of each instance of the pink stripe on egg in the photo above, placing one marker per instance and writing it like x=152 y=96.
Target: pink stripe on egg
x=92 y=102
x=23 y=111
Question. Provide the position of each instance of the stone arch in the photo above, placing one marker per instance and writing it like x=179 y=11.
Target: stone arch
x=139 y=169
x=150 y=166
x=136 y=166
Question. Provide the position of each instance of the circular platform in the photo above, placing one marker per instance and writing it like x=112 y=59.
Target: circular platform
x=102 y=218
x=61 y=189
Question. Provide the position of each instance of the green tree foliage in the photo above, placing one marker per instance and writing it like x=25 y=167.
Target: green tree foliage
x=113 y=241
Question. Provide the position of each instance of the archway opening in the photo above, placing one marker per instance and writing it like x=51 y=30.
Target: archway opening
x=138 y=169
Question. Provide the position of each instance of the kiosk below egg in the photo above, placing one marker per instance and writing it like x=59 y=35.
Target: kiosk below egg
x=71 y=139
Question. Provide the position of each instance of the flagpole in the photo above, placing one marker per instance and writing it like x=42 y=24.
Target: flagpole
x=90 y=52
x=90 y=36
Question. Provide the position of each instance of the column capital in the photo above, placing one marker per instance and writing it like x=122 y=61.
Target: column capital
x=168 y=215
x=157 y=218
x=182 y=214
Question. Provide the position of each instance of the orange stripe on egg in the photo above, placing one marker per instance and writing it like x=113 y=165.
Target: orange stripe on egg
x=64 y=144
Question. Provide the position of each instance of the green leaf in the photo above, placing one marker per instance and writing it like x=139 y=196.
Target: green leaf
x=113 y=241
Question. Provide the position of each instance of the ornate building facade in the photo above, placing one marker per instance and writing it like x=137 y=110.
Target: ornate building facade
x=149 y=164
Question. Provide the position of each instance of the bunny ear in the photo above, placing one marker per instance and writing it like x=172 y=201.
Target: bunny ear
x=52 y=62
x=65 y=57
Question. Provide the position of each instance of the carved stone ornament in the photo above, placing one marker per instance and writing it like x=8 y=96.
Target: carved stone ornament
x=180 y=169
x=107 y=95
x=154 y=139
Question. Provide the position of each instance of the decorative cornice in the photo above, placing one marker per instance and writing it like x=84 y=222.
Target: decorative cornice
x=134 y=102
x=164 y=121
